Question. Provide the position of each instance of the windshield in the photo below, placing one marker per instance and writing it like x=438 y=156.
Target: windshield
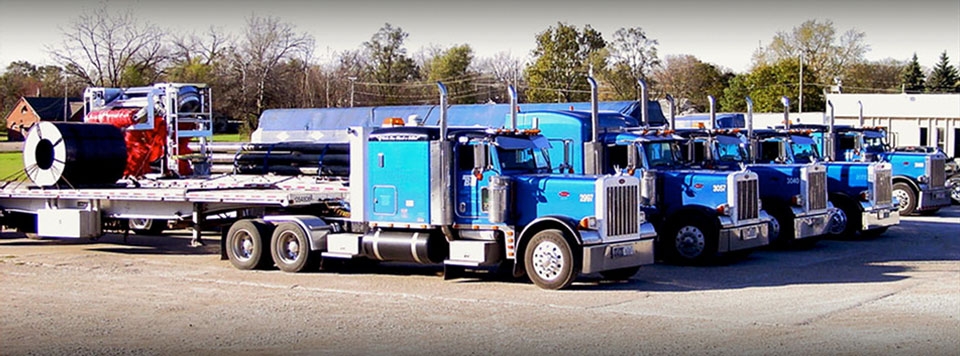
x=804 y=152
x=730 y=151
x=661 y=154
x=874 y=143
x=522 y=159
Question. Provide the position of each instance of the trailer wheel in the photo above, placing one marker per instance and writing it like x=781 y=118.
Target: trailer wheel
x=290 y=249
x=147 y=226
x=692 y=241
x=907 y=198
x=246 y=241
x=549 y=260
x=620 y=274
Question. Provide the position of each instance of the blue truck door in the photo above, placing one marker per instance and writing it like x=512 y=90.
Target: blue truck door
x=471 y=191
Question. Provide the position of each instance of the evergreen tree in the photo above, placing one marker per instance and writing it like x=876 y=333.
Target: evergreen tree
x=944 y=77
x=912 y=78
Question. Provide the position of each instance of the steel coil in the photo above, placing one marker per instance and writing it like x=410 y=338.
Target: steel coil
x=74 y=154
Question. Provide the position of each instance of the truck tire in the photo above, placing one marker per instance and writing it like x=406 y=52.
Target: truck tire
x=549 y=260
x=147 y=226
x=246 y=243
x=290 y=249
x=907 y=197
x=784 y=222
x=852 y=211
x=620 y=274
x=691 y=240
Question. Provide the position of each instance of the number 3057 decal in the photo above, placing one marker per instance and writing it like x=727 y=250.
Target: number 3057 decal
x=719 y=188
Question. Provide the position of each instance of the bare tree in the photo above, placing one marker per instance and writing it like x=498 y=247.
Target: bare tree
x=498 y=71
x=100 y=47
x=266 y=44
x=825 y=54
x=632 y=56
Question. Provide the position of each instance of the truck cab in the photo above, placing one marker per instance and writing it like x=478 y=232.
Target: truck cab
x=699 y=214
x=475 y=198
x=794 y=194
x=919 y=178
x=860 y=190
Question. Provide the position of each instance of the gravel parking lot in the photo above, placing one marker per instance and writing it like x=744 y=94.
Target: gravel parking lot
x=898 y=293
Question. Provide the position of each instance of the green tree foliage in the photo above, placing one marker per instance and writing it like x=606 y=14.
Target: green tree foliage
x=912 y=77
x=632 y=56
x=389 y=64
x=944 y=77
x=689 y=80
x=561 y=64
x=766 y=84
x=452 y=67
x=872 y=77
x=826 y=55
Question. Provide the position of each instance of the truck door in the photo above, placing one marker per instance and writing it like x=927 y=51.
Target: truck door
x=471 y=183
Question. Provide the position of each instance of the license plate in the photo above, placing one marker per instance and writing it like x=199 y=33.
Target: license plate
x=883 y=215
x=622 y=251
x=750 y=233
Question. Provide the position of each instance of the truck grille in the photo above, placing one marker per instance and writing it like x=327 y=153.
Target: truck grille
x=882 y=186
x=936 y=170
x=817 y=190
x=748 y=206
x=623 y=210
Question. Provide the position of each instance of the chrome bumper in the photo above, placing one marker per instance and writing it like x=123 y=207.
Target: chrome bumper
x=805 y=226
x=610 y=256
x=879 y=217
x=933 y=198
x=744 y=237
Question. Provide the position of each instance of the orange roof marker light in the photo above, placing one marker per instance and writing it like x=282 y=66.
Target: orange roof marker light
x=393 y=122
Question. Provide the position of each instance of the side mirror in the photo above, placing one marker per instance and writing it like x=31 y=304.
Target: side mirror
x=481 y=156
x=633 y=158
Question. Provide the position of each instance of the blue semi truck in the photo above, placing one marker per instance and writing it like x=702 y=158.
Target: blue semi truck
x=795 y=195
x=699 y=214
x=861 y=191
x=919 y=178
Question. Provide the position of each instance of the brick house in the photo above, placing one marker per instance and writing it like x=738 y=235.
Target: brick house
x=30 y=110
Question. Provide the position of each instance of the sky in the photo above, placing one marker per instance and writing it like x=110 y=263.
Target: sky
x=724 y=33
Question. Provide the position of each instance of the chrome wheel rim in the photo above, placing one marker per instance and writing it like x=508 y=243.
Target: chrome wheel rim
x=288 y=247
x=903 y=197
x=838 y=222
x=547 y=260
x=243 y=247
x=690 y=242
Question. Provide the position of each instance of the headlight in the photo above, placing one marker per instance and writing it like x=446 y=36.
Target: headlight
x=723 y=209
x=589 y=223
x=924 y=179
x=797 y=200
x=865 y=195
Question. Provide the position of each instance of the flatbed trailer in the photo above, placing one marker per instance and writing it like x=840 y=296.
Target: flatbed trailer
x=187 y=200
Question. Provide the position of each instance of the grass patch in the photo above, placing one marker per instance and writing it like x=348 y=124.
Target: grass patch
x=11 y=163
x=230 y=138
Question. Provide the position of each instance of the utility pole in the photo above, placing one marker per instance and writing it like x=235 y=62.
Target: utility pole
x=800 y=102
x=352 y=81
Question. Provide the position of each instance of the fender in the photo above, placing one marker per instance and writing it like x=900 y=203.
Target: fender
x=688 y=212
x=315 y=228
x=562 y=223
x=909 y=181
